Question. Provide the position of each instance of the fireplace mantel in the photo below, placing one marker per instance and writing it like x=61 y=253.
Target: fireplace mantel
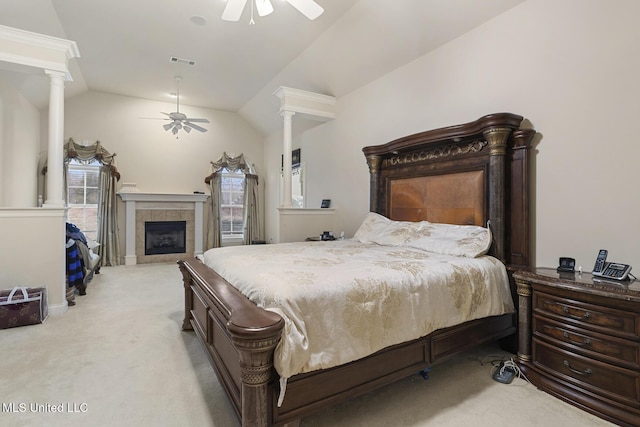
x=162 y=197
x=160 y=201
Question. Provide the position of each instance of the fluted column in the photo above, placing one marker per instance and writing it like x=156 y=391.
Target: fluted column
x=524 y=320
x=55 y=162
x=286 y=166
x=497 y=141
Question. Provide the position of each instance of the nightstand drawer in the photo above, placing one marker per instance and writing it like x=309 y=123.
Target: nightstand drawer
x=602 y=319
x=592 y=344
x=588 y=374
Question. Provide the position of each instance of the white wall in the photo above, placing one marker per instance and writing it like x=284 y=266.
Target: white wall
x=32 y=252
x=19 y=145
x=148 y=155
x=32 y=247
x=569 y=67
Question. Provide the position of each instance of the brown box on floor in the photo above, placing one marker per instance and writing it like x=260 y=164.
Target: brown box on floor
x=22 y=306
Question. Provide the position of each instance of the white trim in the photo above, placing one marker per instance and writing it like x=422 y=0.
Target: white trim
x=306 y=211
x=40 y=40
x=35 y=62
x=284 y=91
x=14 y=35
x=32 y=212
x=161 y=197
x=58 y=309
x=315 y=105
x=137 y=201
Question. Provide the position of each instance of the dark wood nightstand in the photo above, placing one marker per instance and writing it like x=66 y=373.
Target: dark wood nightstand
x=579 y=340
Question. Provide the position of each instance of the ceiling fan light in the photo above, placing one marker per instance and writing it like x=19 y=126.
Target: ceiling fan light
x=175 y=130
x=187 y=129
x=167 y=126
x=264 y=7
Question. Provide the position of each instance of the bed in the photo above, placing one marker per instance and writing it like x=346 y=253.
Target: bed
x=473 y=174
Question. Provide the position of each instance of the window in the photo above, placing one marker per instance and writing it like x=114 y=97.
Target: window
x=232 y=204
x=83 y=194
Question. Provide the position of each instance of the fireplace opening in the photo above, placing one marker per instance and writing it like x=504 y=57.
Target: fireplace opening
x=165 y=237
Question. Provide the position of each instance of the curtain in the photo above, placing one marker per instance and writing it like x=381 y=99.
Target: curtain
x=213 y=227
x=251 y=209
x=107 y=236
x=251 y=219
x=109 y=249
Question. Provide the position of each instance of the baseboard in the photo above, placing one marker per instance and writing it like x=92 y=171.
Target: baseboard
x=58 y=309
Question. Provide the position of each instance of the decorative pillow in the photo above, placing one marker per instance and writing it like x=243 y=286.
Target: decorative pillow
x=372 y=225
x=448 y=239
x=381 y=230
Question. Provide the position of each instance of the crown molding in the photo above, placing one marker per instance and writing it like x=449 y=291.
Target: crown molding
x=315 y=105
x=47 y=44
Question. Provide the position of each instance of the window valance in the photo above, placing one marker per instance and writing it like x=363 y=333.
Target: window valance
x=86 y=154
x=232 y=164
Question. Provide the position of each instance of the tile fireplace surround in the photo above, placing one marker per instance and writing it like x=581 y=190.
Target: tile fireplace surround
x=144 y=207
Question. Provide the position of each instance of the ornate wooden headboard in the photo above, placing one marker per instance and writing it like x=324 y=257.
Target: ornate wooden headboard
x=473 y=173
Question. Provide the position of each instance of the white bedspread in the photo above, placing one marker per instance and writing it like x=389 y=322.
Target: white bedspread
x=344 y=300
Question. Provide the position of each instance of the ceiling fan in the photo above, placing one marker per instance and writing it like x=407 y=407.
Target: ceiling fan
x=180 y=120
x=234 y=8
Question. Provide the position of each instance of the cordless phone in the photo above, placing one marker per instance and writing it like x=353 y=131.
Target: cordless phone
x=610 y=270
x=600 y=260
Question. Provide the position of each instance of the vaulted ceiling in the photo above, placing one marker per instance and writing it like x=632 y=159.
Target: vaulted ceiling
x=126 y=46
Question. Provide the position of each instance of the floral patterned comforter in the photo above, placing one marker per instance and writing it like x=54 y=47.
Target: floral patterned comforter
x=344 y=300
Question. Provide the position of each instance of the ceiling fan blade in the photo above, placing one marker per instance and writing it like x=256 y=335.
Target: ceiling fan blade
x=196 y=127
x=197 y=120
x=233 y=10
x=264 y=7
x=308 y=8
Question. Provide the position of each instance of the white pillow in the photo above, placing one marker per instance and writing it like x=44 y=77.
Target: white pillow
x=372 y=225
x=448 y=239
x=381 y=230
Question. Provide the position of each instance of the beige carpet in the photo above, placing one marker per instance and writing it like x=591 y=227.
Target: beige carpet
x=119 y=358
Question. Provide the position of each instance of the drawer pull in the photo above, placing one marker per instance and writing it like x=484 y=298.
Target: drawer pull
x=575 y=371
x=566 y=311
x=587 y=341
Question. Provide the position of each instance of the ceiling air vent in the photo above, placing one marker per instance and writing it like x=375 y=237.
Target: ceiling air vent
x=182 y=60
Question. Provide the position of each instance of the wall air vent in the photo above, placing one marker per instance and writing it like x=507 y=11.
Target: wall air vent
x=182 y=60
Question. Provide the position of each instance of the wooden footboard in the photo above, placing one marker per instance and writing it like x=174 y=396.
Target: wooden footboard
x=240 y=339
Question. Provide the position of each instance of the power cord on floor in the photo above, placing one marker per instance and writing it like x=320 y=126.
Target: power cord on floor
x=506 y=370
x=502 y=366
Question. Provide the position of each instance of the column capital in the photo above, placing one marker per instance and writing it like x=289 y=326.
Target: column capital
x=287 y=114
x=55 y=73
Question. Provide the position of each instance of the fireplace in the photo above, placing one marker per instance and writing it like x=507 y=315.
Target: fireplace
x=155 y=207
x=165 y=237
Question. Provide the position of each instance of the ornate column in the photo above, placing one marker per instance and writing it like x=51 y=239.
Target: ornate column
x=255 y=349
x=524 y=321
x=286 y=165
x=374 y=169
x=55 y=165
x=497 y=142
